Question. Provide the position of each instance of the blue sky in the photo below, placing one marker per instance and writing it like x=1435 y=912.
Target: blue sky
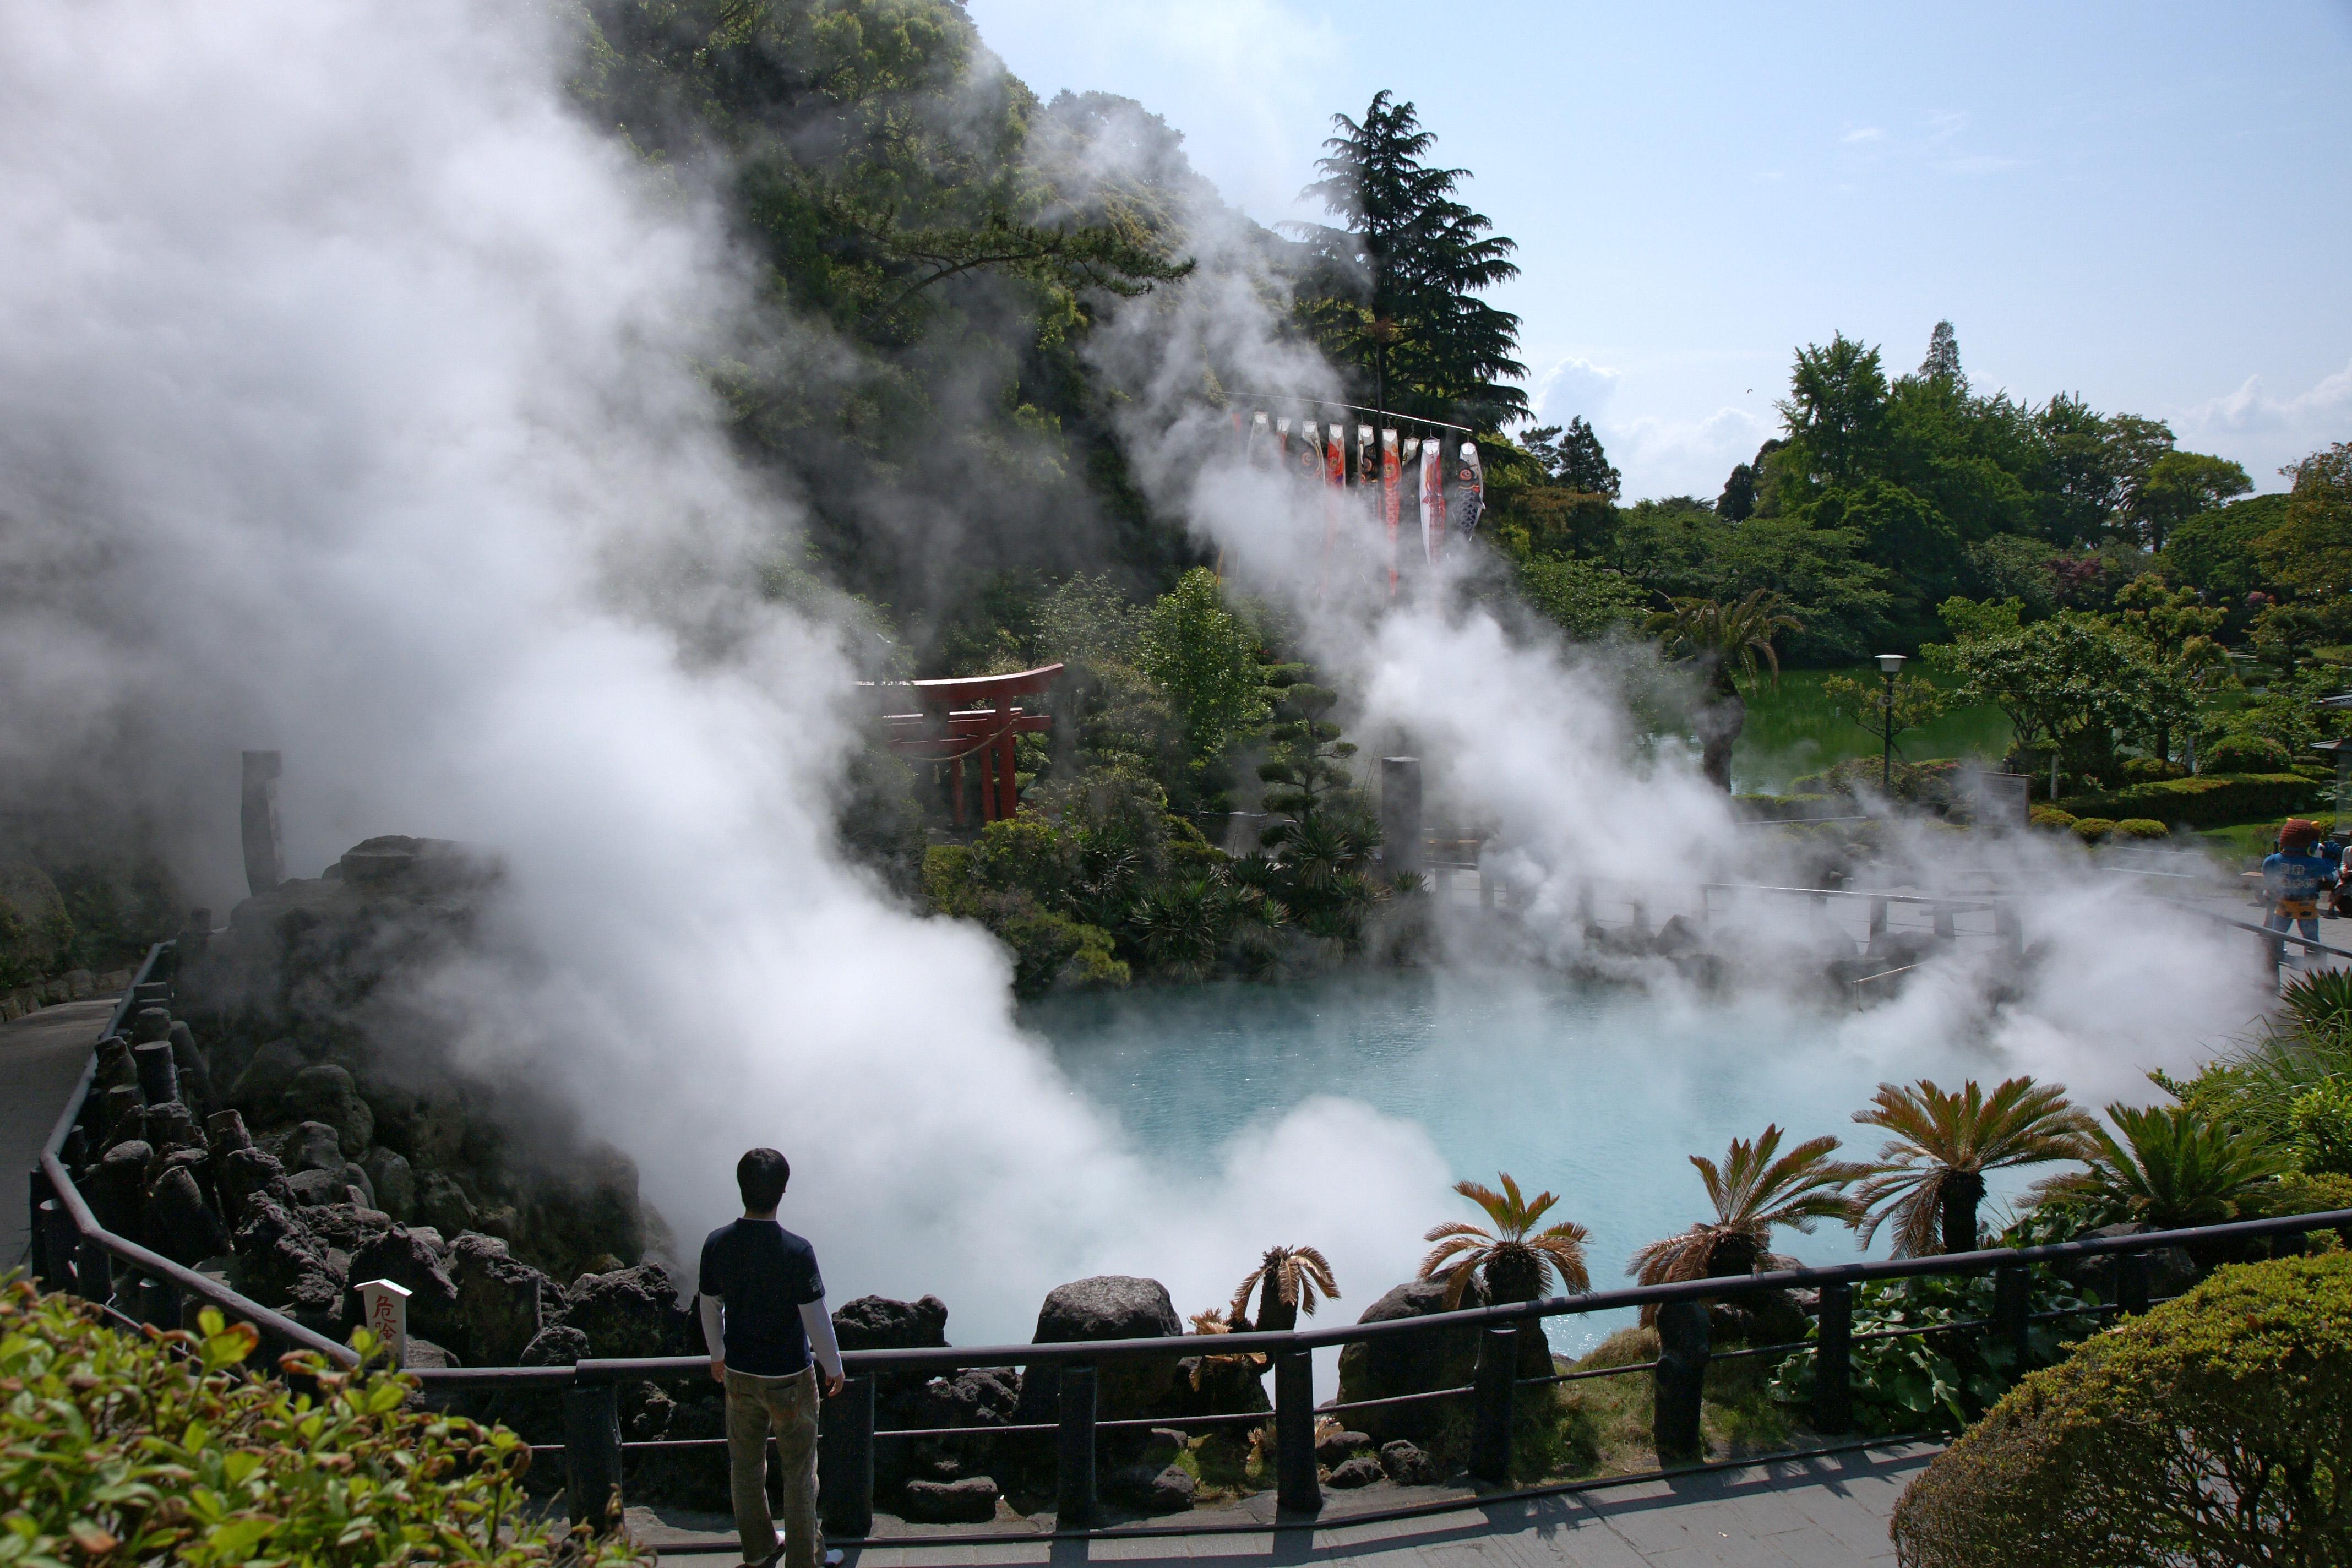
x=2148 y=204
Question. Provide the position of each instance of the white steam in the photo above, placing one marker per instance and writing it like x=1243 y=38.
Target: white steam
x=347 y=408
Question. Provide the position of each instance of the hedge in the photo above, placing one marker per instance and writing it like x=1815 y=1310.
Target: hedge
x=123 y=1449
x=2216 y=1429
x=2207 y=800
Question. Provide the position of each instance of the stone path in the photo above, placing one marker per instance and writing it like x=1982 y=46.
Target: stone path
x=1829 y=1511
x=41 y=1055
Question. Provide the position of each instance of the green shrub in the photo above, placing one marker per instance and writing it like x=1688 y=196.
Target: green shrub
x=2321 y=1120
x=120 y=1448
x=2092 y=829
x=2207 y=800
x=1788 y=807
x=2142 y=828
x=2051 y=817
x=2214 y=1430
x=2244 y=754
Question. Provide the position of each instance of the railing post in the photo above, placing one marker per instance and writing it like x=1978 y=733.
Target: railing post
x=1681 y=1377
x=58 y=1238
x=592 y=1452
x=846 y=1464
x=2009 y=928
x=2131 y=1283
x=1298 y=1490
x=2009 y=1312
x=1946 y=923
x=93 y=1271
x=1877 y=923
x=1074 y=1507
x=38 y=1194
x=1833 y=1359
x=1490 y=1419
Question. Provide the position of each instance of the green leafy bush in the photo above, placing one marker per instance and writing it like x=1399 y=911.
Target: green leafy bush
x=2092 y=829
x=2247 y=754
x=120 y=1448
x=2049 y=817
x=2142 y=828
x=2214 y=1430
x=1937 y=1382
x=2207 y=800
x=2321 y=1119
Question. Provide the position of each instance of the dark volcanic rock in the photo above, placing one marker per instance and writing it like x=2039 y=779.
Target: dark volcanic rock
x=240 y=1174
x=312 y=1146
x=1361 y=1471
x=172 y=1125
x=976 y=1396
x=558 y=1346
x=1106 y=1307
x=178 y=1223
x=1408 y=1465
x=631 y=1312
x=275 y=1249
x=392 y=1182
x=500 y=1300
x=590 y=1212
x=972 y=1501
x=315 y=1301
x=227 y=1131
x=116 y=1186
x=325 y=1093
x=317 y=1189
x=263 y=1084
x=148 y=1024
x=347 y=1225
x=1409 y=1363
x=1333 y=1448
x=195 y=1077
x=879 y=1323
x=1164 y=1490
x=442 y=1203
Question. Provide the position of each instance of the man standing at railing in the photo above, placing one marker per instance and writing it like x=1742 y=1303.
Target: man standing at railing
x=762 y=1311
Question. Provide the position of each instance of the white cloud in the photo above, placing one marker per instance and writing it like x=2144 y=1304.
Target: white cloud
x=1864 y=133
x=1663 y=457
x=1571 y=388
x=2321 y=413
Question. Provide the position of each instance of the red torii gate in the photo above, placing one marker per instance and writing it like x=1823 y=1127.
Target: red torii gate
x=974 y=715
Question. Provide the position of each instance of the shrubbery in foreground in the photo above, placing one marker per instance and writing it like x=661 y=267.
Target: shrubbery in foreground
x=122 y=1449
x=2215 y=1430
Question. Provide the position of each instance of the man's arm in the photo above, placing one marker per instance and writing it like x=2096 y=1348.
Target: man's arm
x=822 y=1345
x=714 y=1335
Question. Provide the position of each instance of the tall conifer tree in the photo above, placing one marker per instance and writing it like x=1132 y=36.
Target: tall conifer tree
x=1396 y=302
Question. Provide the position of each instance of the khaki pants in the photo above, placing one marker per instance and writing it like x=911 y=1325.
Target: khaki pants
x=786 y=1406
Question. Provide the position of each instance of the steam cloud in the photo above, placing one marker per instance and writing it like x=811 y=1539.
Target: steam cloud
x=347 y=407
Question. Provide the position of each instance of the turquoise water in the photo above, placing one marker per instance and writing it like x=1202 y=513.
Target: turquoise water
x=1599 y=1094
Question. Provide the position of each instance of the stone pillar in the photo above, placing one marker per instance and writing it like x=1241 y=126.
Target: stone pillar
x=265 y=855
x=1400 y=814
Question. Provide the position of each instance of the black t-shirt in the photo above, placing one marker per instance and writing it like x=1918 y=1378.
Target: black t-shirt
x=763 y=1273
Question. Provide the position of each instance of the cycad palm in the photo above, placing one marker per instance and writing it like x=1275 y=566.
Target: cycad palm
x=1753 y=1191
x=1514 y=1258
x=1721 y=638
x=1931 y=1175
x=1286 y=1278
x=2171 y=1168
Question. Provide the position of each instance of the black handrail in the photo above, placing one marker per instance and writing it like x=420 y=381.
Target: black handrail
x=593 y=1451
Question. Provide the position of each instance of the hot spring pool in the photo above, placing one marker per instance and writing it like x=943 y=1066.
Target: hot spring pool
x=1599 y=1094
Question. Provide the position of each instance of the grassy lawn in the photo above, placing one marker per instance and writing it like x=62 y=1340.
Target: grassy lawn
x=1793 y=730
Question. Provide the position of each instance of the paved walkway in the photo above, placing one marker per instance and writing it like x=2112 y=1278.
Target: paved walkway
x=41 y=1055
x=1826 y=1512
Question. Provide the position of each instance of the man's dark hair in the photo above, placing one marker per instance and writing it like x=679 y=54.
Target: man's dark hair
x=762 y=1177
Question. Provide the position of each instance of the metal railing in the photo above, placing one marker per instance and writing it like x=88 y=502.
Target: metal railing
x=73 y=1252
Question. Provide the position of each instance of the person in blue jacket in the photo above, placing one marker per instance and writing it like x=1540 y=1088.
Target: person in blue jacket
x=2331 y=850
x=2293 y=881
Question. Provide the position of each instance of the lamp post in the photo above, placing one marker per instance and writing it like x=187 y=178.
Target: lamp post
x=1889 y=664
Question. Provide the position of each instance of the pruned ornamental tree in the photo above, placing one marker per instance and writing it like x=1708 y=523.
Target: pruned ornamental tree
x=2215 y=1431
x=1393 y=298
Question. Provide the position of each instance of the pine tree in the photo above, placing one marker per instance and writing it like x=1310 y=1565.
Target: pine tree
x=1574 y=458
x=1943 y=361
x=1393 y=295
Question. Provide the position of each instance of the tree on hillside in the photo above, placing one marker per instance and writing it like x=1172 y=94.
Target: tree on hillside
x=1396 y=298
x=1724 y=641
x=1574 y=458
x=1837 y=407
x=2067 y=676
x=1737 y=502
x=1205 y=659
x=2178 y=631
x=2179 y=485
